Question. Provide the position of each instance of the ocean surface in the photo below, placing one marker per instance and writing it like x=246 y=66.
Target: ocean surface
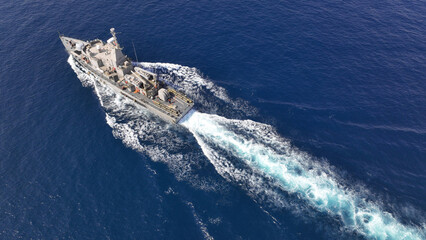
x=309 y=122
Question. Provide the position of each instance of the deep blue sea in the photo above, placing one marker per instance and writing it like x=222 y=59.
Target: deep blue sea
x=309 y=122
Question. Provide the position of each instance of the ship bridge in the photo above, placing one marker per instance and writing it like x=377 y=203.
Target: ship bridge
x=108 y=56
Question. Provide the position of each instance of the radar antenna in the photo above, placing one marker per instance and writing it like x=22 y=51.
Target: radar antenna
x=112 y=30
x=134 y=50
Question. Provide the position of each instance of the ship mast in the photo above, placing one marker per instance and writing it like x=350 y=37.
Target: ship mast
x=112 y=30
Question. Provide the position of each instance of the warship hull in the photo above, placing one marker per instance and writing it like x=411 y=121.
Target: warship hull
x=142 y=101
x=158 y=98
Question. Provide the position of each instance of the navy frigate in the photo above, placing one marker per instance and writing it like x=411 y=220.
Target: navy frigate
x=114 y=69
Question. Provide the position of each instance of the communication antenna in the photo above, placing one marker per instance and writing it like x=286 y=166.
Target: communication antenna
x=134 y=50
x=112 y=30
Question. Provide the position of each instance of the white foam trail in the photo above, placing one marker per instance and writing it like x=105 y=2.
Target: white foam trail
x=258 y=146
x=205 y=92
x=199 y=222
x=192 y=79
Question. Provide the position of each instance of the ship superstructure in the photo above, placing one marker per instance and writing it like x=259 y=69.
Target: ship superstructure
x=107 y=61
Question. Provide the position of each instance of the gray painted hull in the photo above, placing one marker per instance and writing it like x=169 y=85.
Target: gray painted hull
x=140 y=99
x=167 y=111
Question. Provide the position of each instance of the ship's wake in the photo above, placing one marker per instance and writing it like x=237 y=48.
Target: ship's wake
x=247 y=153
x=271 y=157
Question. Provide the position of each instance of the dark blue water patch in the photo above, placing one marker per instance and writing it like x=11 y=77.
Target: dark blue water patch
x=342 y=81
